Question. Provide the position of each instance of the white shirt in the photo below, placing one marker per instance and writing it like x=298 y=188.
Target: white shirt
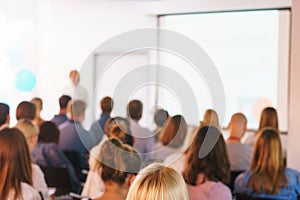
x=39 y=182
x=77 y=92
x=28 y=193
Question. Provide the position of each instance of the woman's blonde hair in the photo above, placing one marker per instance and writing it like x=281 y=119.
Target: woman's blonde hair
x=157 y=182
x=267 y=163
x=268 y=118
x=211 y=118
x=27 y=128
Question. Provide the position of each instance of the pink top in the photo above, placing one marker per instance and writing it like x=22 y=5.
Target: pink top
x=209 y=190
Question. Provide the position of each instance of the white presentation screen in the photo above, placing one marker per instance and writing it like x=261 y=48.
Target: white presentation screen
x=250 y=51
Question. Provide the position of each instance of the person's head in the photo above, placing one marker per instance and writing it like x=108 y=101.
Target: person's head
x=268 y=118
x=29 y=130
x=49 y=133
x=15 y=163
x=25 y=109
x=158 y=182
x=119 y=162
x=106 y=105
x=214 y=166
x=77 y=110
x=267 y=163
x=174 y=132
x=211 y=118
x=160 y=117
x=135 y=110
x=238 y=125
x=63 y=102
x=74 y=77
x=38 y=102
x=4 y=114
x=119 y=127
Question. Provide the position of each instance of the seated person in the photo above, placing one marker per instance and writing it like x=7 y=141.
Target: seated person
x=239 y=154
x=15 y=170
x=47 y=152
x=172 y=137
x=160 y=119
x=158 y=182
x=268 y=177
x=61 y=117
x=38 y=103
x=118 y=165
x=206 y=175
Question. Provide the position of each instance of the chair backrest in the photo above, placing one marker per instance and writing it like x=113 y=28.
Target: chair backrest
x=76 y=160
x=233 y=176
x=246 y=197
x=58 y=177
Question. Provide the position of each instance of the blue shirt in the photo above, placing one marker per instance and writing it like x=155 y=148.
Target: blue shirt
x=97 y=128
x=290 y=192
x=59 y=119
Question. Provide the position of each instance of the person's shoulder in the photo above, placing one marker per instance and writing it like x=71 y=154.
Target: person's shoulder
x=291 y=172
x=29 y=192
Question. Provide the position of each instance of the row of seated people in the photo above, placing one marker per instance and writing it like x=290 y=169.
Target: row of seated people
x=135 y=108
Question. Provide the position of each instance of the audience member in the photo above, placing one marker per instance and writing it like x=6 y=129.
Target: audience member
x=116 y=127
x=143 y=137
x=268 y=177
x=239 y=154
x=61 y=117
x=15 y=171
x=4 y=116
x=210 y=118
x=47 y=152
x=172 y=137
x=73 y=136
x=75 y=90
x=118 y=165
x=160 y=118
x=268 y=118
x=38 y=102
x=97 y=128
x=30 y=132
x=206 y=175
x=26 y=110
x=158 y=182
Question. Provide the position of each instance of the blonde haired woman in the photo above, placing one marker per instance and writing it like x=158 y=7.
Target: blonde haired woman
x=210 y=118
x=158 y=182
x=268 y=177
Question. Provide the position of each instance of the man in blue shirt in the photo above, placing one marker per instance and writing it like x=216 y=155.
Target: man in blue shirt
x=97 y=128
x=61 y=117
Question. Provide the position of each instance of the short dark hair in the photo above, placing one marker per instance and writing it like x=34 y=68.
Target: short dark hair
x=135 y=109
x=63 y=101
x=106 y=104
x=4 y=111
x=160 y=117
x=48 y=133
x=26 y=110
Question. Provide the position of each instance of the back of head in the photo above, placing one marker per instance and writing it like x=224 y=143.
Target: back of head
x=174 y=132
x=238 y=124
x=135 y=109
x=63 y=101
x=38 y=102
x=160 y=117
x=214 y=165
x=267 y=163
x=49 y=133
x=78 y=108
x=4 y=113
x=119 y=127
x=158 y=182
x=26 y=110
x=268 y=118
x=106 y=104
x=15 y=162
x=117 y=161
x=211 y=118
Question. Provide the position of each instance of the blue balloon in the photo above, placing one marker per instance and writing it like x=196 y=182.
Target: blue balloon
x=25 y=81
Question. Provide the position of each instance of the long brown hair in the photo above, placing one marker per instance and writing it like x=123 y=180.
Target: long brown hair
x=267 y=163
x=268 y=118
x=174 y=132
x=15 y=163
x=215 y=165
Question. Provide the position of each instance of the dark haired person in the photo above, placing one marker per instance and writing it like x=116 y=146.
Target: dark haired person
x=38 y=103
x=26 y=110
x=61 y=117
x=97 y=127
x=4 y=116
